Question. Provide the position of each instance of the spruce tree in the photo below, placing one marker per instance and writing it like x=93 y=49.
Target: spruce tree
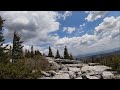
x=10 y=52
x=17 y=47
x=50 y=54
x=26 y=53
x=66 y=54
x=37 y=52
x=71 y=57
x=3 y=49
x=57 y=54
x=32 y=52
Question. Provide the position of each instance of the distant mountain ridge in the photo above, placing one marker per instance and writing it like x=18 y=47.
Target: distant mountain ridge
x=107 y=52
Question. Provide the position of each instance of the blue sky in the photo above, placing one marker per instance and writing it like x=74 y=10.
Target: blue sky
x=82 y=31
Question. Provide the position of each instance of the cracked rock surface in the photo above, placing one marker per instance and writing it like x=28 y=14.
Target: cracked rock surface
x=77 y=70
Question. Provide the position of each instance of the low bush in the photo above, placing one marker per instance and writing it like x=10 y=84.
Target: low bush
x=26 y=68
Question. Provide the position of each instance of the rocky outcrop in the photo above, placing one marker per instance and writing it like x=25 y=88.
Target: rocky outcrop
x=78 y=70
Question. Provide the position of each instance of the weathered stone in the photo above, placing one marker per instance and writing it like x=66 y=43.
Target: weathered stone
x=93 y=64
x=92 y=77
x=45 y=78
x=64 y=68
x=51 y=72
x=72 y=74
x=108 y=75
x=54 y=65
x=45 y=74
x=79 y=78
x=99 y=68
x=74 y=69
x=78 y=74
x=74 y=65
x=84 y=76
x=61 y=76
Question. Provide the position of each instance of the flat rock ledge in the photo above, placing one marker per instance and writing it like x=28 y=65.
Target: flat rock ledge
x=66 y=69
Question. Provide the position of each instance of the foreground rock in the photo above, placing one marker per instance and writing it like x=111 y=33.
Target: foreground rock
x=55 y=66
x=108 y=75
x=93 y=64
x=79 y=78
x=74 y=69
x=61 y=76
x=77 y=70
x=45 y=74
x=99 y=68
x=72 y=75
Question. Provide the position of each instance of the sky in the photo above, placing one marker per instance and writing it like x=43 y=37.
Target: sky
x=81 y=31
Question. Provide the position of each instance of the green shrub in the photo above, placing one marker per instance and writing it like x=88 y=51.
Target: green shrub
x=23 y=68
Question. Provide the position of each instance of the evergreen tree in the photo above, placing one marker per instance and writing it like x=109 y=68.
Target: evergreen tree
x=32 y=52
x=3 y=49
x=50 y=54
x=27 y=53
x=17 y=47
x=10 y=52
x=57 y=54
x=66 y=54
x=37 y=52
x=71 y=57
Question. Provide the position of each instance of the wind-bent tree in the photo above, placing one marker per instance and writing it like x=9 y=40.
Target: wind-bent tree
x=66 y=54
x=3 y=49
x=50 y=54
x=57 y=54
x=17 y=52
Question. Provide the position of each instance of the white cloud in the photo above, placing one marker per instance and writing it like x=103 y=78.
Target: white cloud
x=33 y=26
x=94 y=15
x=106 y=37
x=82 y=25
x=69 y=29
x=66 y=14
x=83 y=40
x=108 y=28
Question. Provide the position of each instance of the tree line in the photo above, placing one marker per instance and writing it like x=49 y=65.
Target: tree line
x=15 y=63
x=15 y=51
x=65 y=56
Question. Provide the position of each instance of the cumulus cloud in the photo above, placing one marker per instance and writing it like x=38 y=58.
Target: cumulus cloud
x=106 y=36
x=31 y=25
x=85 y=39
x=108 y=28
x=69 y=29
x=94 y=15
x=35 y=29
